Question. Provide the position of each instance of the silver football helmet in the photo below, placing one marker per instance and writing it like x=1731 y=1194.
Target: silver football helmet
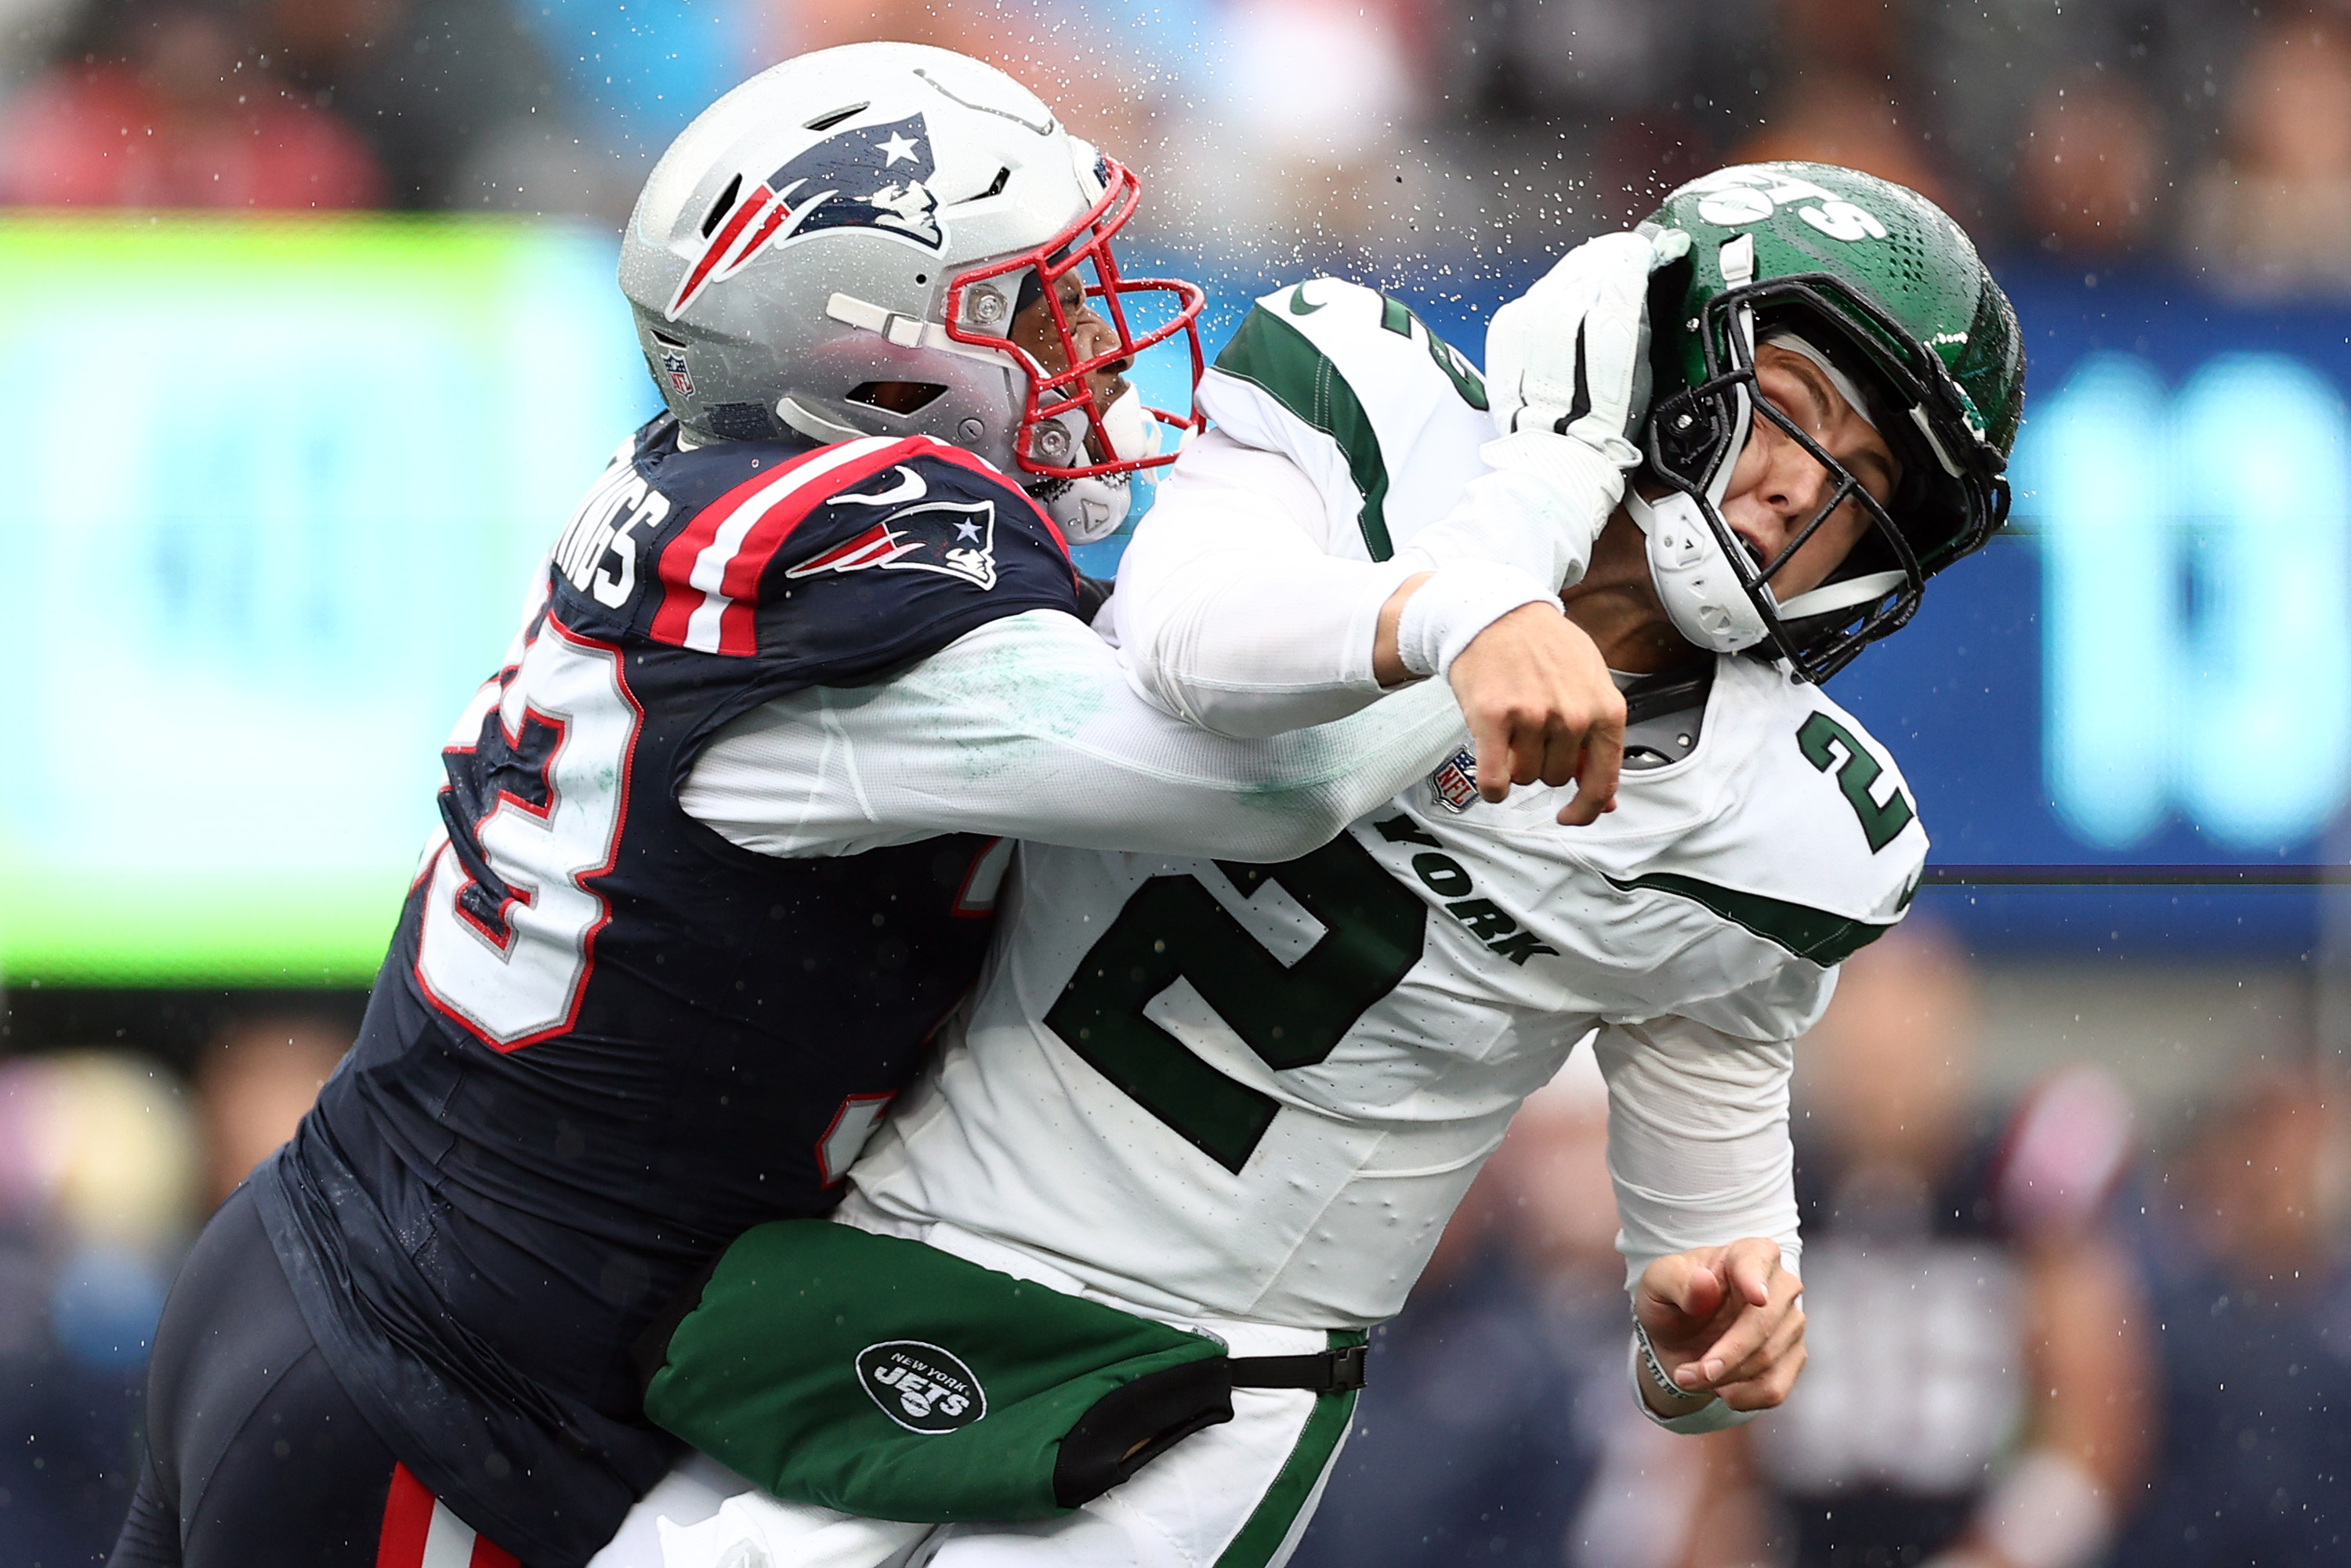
x=839 y=247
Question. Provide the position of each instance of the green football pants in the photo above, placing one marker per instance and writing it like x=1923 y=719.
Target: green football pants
x=1236 y=1495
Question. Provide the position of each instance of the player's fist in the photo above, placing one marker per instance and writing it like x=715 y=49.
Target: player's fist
x=1571 y=356
x=1542 y=706
x=1724 y=1321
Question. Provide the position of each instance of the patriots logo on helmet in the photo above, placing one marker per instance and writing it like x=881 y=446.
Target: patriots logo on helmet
x=870 y=177
x=954 y=539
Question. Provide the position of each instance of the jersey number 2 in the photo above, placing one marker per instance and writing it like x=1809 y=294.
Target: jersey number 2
x=540 y=790
x=1292 y=1015
x=1821 y=739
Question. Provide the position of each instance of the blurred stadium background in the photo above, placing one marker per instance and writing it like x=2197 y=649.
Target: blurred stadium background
x=308 y=341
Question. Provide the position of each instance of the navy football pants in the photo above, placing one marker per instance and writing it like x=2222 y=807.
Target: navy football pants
x=255 y=1456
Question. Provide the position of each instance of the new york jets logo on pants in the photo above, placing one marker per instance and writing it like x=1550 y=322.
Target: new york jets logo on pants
x=921 y=1387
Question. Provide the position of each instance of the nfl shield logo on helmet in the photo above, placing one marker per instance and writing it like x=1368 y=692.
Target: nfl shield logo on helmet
x=673 y=365
x=875 y=177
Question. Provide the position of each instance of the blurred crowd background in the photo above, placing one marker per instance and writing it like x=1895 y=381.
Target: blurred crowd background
x=2212 y=133
x=2076 y=1235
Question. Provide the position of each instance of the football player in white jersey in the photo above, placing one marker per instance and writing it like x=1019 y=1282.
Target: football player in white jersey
x=1244 y=1100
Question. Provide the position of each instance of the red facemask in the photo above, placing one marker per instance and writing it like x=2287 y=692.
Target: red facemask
x=1053 y=393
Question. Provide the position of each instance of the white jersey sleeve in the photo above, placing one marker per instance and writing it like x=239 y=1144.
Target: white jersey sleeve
x=1229 y=611
x=1383 y=417
x=1026 y=727
x=1697 y=1139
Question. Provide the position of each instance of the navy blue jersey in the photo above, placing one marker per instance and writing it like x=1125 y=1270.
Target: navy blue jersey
x=606 y=1041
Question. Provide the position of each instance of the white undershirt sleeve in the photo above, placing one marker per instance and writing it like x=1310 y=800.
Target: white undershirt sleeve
x=1230 y=614
x=1234 y=613
x=1026 y=727
x=1697 y=1139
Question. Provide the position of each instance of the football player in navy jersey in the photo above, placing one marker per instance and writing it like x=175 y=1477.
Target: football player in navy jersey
x=719 y=842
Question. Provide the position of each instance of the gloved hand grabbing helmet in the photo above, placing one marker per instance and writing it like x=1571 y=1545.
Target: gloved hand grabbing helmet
x=1568 y=385
x=1571 y=356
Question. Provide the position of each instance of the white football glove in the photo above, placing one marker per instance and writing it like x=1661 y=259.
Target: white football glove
x=1571 y=356
x=1567 y=376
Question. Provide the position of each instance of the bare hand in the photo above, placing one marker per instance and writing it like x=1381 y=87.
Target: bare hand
x=1541 y=705
x=1725 y=1321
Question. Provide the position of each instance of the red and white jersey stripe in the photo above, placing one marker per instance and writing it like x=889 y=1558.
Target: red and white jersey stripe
x=710 y=572
x=419 y=1531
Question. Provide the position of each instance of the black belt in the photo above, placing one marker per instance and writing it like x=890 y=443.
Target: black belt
x=1327 y=1371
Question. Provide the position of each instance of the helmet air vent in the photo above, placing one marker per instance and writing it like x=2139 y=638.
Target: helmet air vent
x=897 y=397
x=995 y=187
x=828 y=121
x=722 y=206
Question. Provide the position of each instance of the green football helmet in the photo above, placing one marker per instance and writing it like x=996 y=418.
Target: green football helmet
x=1887 y=288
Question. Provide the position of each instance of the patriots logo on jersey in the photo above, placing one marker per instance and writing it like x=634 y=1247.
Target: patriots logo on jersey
x=871 y=177
x=957 y=539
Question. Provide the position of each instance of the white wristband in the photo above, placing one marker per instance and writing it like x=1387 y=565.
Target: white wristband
x=1446 y=613
x=1713 y=1415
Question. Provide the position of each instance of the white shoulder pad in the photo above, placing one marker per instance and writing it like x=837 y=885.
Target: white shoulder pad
x=1381 y=414
x=1726 y=887
x=1789 y=819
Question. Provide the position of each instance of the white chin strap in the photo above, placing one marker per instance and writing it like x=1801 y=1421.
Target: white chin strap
x=1696 y=581
x=1700 y=588
x=1093 y=508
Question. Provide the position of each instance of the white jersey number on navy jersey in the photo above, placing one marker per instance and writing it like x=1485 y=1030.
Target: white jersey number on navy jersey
x=509 y=955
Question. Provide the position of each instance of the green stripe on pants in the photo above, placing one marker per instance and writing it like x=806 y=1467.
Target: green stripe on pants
x=1268 y=1526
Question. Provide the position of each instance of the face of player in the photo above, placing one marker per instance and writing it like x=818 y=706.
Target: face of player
x=1032 y=329
x=1777 y=486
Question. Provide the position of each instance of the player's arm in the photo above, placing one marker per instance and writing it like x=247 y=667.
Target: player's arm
x=1705 y=1178
x=1026 y=727
x=1234 y=619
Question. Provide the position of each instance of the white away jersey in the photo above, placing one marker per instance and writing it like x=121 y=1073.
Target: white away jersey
x=1204 y=1088
x=1260 y=1091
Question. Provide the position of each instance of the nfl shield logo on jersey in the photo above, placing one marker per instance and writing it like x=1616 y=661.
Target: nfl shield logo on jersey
x=954 y=538
x=1455 y=785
